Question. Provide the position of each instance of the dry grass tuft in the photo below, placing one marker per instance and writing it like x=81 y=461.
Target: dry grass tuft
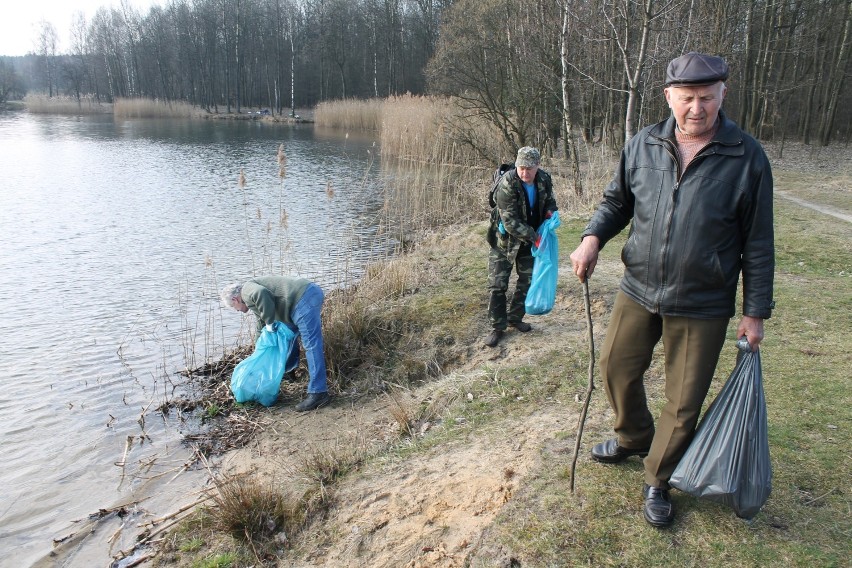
x=256 y=512
x=389 y=280
x=350 y=327
x=358 y=336
x=403 y=414
x=322 y=466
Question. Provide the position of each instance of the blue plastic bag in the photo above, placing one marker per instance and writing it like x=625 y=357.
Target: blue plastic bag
x=542 y=293
x=728 y=459
x=258 y=377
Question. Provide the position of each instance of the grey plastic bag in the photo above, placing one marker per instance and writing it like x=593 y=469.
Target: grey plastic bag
x=728 y=459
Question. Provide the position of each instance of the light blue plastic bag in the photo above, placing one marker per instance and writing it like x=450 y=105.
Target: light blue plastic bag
x=542 y=293
x=258 y=377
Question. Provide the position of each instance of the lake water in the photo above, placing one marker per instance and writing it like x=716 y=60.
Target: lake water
x=115 y=237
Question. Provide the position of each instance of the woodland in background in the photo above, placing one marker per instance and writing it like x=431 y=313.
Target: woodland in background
x=534 y=69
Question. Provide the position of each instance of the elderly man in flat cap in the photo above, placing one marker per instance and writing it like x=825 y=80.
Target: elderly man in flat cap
x=697 y=193
x=524 y=200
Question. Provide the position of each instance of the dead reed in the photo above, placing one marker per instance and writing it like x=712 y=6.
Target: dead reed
x=437 y=131
x=350 y=114
x=86 y=104
x=140 y=107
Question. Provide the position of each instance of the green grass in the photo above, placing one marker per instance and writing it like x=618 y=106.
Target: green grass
x=194 y=544
x=824 y=188
x=806 y=522
x=226 y=560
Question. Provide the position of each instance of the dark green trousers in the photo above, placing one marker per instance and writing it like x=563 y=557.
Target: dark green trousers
x=691 y=347
x=499 y=273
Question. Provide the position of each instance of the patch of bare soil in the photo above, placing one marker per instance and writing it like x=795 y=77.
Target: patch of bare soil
x=426 y=510
x=433 y=507
x=430 y=510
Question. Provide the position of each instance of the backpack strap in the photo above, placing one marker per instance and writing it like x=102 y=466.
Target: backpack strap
x=495 y=181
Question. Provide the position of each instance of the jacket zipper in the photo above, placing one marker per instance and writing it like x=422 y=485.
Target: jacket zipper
x=666 y=240
x=668 y=225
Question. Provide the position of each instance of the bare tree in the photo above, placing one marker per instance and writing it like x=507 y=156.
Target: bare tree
x=46 y=50
x=9 y=81
x=569 y=146
x=494 y=58
x=836 y=78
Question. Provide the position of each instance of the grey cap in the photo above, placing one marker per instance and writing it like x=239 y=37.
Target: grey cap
x=696 y=69
x=528 y=157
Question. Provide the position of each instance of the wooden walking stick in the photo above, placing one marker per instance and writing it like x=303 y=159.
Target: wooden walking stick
x=591 y=385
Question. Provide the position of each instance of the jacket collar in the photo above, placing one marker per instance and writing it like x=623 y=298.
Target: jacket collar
x=728 y=139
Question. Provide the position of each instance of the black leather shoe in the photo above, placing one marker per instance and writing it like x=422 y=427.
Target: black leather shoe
x=659 y=511
x=521 y=326
x=493 y=338
x=611 y=452
x=313 y=401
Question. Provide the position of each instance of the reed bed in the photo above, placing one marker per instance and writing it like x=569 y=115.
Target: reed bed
x=350 y=114
x=440 y=130
x=140 y=107
x=440 y=159
x=86 y=104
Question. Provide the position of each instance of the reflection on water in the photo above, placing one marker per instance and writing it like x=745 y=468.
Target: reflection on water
x=116 y=237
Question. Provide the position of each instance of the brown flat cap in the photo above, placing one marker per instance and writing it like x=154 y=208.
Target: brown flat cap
x=696 y=69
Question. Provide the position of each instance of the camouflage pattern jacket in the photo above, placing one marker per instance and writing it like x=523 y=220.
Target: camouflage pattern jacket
x=514 y=212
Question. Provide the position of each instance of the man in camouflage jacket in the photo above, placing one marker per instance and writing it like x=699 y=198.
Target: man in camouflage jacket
x=524 y=200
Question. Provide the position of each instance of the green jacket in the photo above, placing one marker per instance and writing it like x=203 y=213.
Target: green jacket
x=512 y=209
x=272 y=298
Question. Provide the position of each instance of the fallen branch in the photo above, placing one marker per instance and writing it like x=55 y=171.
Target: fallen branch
x=175 y=519
x=156 y=522
x=140 y=560
x=127 y=444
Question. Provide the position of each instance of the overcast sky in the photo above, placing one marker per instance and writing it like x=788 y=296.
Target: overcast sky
x=19 y=20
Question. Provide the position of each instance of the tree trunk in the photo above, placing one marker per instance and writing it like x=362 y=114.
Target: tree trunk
x=836 y=80
x=569 y=147
x=634 y=76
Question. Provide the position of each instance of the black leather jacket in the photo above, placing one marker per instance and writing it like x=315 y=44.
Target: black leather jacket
x=693 y=231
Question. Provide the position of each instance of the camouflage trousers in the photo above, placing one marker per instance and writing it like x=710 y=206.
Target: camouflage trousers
x=499 y=272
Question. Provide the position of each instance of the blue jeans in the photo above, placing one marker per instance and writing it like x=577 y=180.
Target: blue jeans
x=306 y=317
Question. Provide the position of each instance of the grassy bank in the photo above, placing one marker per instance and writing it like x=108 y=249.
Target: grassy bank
x=417 y=325
x=806 y=521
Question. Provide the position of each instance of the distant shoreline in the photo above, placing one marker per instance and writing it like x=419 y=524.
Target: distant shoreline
x=72 y=107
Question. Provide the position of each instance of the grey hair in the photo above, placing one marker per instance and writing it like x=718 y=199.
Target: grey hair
x=230 y=293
